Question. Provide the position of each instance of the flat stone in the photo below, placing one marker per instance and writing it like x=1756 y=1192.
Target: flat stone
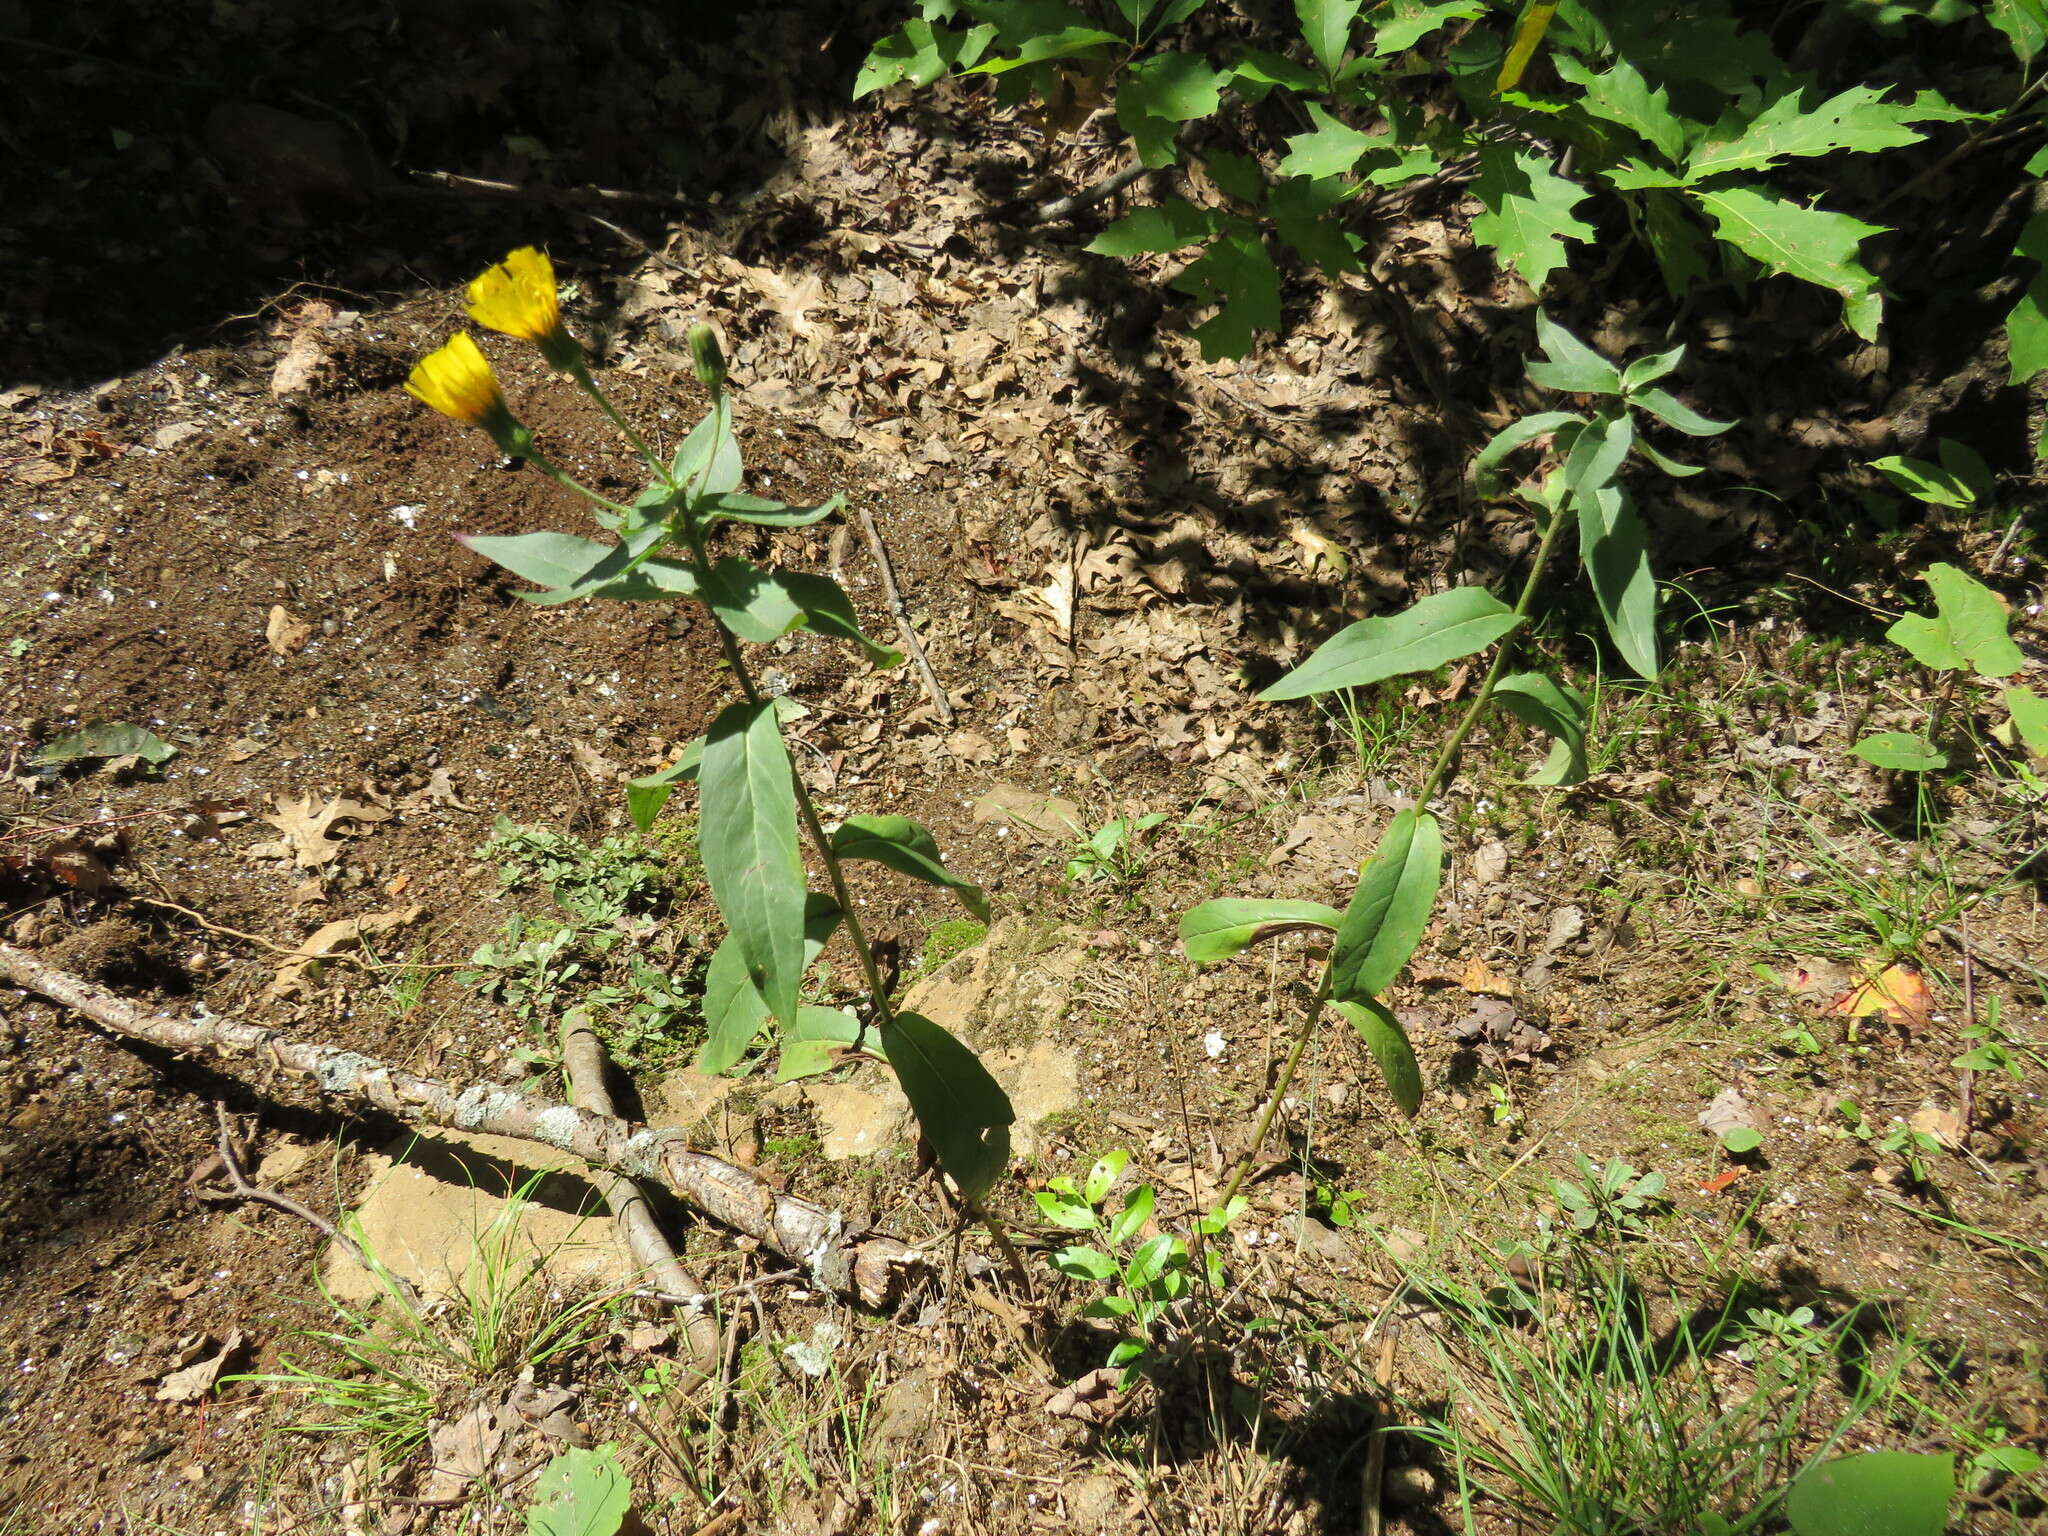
x=439 y=1210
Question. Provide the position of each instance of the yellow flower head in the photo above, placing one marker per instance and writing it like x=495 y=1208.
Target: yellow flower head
x=518 y=297
x=456 y=380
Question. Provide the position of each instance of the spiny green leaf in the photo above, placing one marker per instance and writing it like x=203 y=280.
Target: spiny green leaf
x=1330 y=148
x=1557 y=708
x=909 y=849
x=961 y=1110
x=1621 y=95
x=1236 y=272
x=748 y=840
x=1528 y=211
x=1811 y=244
x=1421 y=638
x=1411 y=21
x=1217 y=930
x=1858 y=120
x=1388 y=1042
x=1170 y=226
x=1390 y=908
x=1160 y=93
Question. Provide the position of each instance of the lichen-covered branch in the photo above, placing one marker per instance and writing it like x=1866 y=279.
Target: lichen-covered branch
x=872 y=1269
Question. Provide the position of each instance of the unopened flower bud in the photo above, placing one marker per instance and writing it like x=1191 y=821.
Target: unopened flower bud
x=708 y=360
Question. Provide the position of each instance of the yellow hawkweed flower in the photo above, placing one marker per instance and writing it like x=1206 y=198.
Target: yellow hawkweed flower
x=456 y=380
x=518 y=297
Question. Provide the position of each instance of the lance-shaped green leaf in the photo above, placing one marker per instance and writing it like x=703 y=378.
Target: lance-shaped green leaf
x=747 y=837
x=1811 y=244
x=1648 y=370
x=763 y=605
x=1438 y=629
x=1598 y=453
x=1557 y=708
x=645 y=796
x=1389 y=910
x=1513 y=436
x=571 y=568
x=742 y=508
x=1614 y=547
x=110 y=739
x=1901 y=751
x=1388 y=1042
x=1216 y=930
x=1326 y=27
x=1572 y=366
x=961 y=1110
x=1968 y=632
x=734 y=1009
x=1673 y=414
x=814 y=1043
x=707 y=462
x=909 y=849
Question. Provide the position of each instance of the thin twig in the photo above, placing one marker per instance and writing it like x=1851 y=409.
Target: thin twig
x=583 y=1064
x=1066 y=207
x=239 y=1185
x=1376 y=1454
x=904 y=628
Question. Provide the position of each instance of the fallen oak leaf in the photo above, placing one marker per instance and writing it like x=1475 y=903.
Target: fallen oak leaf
x=306 y=841
x=285 y=634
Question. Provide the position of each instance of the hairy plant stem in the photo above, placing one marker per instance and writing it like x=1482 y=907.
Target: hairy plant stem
x=581 y=374
x=569 y=482
x=814 y=827
x=1439 y=774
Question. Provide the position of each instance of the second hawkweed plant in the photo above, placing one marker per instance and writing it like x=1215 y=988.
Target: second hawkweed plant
x=755 y=812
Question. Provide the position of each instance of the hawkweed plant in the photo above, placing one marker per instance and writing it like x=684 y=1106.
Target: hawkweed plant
x=755 y=811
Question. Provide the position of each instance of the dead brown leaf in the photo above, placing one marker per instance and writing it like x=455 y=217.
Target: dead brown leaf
x=198 y=1379
x=285 y=634
x=306 y=841
x=297 y=973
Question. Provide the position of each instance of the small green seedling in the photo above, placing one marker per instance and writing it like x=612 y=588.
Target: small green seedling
x=1141 y=1281
x=1613 y=1199
x=1115 y=852
x=1966 y=636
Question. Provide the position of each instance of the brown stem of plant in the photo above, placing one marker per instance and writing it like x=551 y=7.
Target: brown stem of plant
x=904 y=628
x=872 y=1269
x=1439 y=774
x=583 y=1064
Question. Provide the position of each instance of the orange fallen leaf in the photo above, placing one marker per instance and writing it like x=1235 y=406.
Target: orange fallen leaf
x=1897 y=993
x=1721 y=1180
x=1479 y=978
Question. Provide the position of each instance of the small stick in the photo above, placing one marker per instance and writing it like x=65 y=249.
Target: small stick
x=1969 y=1105
x=583 y=1063
x=911 y=643
x=1376 y=1453
x=1066 y=207
x=239 y=1184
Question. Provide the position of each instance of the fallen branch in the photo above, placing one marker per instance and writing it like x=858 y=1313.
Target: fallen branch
x=583 y=1063
x=871 y=1269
